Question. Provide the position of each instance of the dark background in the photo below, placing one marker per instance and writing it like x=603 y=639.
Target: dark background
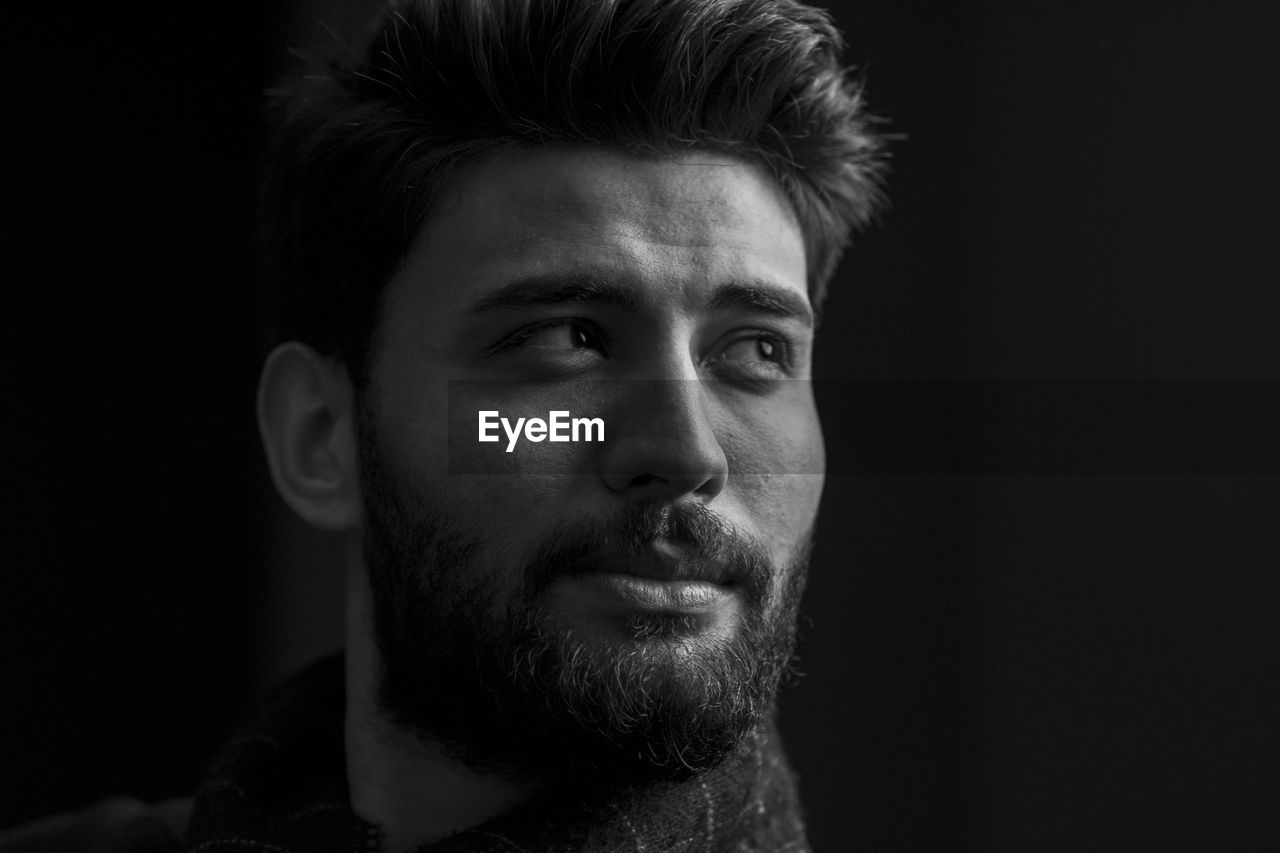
x=994 y=661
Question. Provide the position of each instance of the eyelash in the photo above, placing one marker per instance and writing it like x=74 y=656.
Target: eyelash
x=756 y=369
x=519 y=336
x=759 y=336
x=782 y=346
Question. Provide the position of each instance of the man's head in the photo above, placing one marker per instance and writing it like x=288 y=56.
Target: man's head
x=359 y=154
x=627 y=210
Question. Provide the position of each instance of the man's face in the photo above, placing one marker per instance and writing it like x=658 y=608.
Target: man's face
x=633 y=596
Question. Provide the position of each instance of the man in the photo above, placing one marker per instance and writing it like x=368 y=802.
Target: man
x=547 y=276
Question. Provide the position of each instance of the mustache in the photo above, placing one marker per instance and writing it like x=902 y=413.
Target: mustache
x=703 y=534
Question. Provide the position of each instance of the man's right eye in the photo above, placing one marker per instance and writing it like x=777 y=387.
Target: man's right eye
x=555 y=336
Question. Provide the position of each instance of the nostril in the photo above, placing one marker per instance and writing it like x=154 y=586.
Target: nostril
x=644 y=479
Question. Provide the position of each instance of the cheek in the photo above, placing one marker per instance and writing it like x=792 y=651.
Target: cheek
x=777 y=462
x=783 y=508
x=773 y=437
x=506 y=500
x=410 y=406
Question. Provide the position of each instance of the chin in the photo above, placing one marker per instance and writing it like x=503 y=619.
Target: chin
x=665 y=695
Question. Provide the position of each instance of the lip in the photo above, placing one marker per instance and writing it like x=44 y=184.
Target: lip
x=666 y=596
x=657 y=561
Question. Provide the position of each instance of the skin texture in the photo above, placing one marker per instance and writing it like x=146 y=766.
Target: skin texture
x=686 y=340
x=668 y=230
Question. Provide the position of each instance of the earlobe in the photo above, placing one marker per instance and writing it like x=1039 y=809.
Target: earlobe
x=306 y=420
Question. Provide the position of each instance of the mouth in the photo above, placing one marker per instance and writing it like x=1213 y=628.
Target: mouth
x=658 y=561
x=662 y=578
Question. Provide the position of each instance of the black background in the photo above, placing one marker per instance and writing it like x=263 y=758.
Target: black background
x=1087 y=191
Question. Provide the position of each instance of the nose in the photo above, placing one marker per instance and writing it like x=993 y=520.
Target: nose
x=665 y=447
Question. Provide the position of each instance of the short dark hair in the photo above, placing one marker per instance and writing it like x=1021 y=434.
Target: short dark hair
x=356 y=155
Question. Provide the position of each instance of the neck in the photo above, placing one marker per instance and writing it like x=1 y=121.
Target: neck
x=401 y=782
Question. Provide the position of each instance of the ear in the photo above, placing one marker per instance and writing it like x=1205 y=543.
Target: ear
x=306 y=420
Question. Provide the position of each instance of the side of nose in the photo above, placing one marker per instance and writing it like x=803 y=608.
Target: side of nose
x=664 y=446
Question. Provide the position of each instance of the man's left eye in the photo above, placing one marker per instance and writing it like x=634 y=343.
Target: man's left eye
x=755 y=354
x=753 y=349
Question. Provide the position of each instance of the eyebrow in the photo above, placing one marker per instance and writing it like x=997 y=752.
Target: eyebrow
x=535 y=290
x=763 y=298
x=558 y=288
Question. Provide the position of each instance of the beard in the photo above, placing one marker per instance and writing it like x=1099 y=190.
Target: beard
x=507 y=686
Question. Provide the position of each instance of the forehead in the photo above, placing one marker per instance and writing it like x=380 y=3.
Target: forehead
x=677 y=224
